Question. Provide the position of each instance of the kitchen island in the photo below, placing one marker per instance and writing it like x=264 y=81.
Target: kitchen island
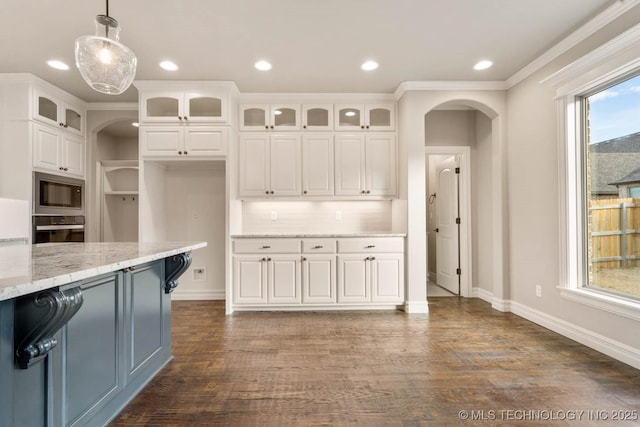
x=83 y=327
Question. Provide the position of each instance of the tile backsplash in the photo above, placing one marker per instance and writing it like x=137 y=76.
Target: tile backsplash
x=316 y=217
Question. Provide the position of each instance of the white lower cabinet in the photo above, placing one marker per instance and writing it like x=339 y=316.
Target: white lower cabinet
x=320 y=272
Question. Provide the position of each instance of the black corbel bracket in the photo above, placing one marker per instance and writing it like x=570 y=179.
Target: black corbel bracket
x=174 y=266
x=38 y=317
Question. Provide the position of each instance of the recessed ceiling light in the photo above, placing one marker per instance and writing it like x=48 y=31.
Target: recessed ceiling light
x=483 y=65
x=135 y=124
x=369 y=65
x=262 y=65
x=58 y=65
x=168 y=65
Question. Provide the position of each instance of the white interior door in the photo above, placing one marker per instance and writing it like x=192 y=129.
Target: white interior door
x=447 y=240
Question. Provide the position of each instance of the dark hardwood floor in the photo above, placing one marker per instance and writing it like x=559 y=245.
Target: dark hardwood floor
x=464 y=364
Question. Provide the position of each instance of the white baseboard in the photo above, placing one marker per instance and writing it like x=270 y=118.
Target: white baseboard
x=187 y=295
x=484 y=295
x=601 y=343
x=416 y=307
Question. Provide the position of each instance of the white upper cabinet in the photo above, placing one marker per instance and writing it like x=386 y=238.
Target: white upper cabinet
x=54 y=111
x=183 y=141
x=261 y=117
x=375 y=117
x=365 y=164
x=317 y=117
x=183 y=107
x=317 y=164
x=270 y=165
x=57 y=152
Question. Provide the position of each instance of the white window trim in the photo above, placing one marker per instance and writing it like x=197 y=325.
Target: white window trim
x=611 y=61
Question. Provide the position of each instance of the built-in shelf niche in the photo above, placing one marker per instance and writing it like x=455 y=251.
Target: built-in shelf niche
x=120 y=200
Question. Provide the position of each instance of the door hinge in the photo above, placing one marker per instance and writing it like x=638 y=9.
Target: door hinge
x=457 y=220
x=458 y=271
x=457 y=170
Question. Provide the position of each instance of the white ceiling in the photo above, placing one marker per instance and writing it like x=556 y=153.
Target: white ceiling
x=314 y=45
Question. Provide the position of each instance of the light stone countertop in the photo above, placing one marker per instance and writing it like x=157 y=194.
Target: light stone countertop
x=25 y=269
x=315 y=235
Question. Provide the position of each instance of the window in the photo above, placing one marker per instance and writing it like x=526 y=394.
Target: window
x=611 y=139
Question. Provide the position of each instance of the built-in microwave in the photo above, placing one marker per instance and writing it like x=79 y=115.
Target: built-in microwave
x=57 y=195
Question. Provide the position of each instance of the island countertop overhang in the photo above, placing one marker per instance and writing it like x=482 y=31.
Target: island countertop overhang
x=26 y=269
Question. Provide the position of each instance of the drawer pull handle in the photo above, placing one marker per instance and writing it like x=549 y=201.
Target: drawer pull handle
x=370 y=246
x=266 y=247
x=317 y=247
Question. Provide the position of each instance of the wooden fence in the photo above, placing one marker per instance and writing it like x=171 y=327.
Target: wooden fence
x=614 y=228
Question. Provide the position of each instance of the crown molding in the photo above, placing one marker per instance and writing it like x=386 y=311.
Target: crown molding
x=448 y=85
x=596 y=23
x=112 y=106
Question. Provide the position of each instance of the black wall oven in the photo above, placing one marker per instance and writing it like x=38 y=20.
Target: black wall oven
x=57 y=195
x=55 y=228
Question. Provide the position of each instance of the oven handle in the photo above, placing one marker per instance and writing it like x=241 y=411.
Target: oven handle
x=59 y=227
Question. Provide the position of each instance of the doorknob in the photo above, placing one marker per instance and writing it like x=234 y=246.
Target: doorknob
x=437 y=230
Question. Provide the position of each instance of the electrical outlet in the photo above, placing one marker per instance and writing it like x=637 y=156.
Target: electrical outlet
x=199 y=274
x=338 y=215
x=274 y=215
x=538 y=291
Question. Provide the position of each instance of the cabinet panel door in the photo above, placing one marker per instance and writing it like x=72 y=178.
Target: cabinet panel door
x=73 y=156
x=161 y=141
x=319 y=279
x=205 y=141
x=284 y=280
x=143 y=290
x=285 y=168
x=387 y=281
x=254 y=117
x=380 y=117
x=46 y=148
x=285 y=117
x=317 y=117
x=349 y=117
x=254 y=165
x=380 y=166
x=353 y=279
x=317 y=164
x=249 y=280
x=91 y=351
x=161 y=107
x=349 y=166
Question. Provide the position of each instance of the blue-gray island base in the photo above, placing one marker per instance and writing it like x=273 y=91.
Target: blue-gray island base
x=112 y=303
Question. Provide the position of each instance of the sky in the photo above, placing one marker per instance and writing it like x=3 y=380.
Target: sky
x=615 y=111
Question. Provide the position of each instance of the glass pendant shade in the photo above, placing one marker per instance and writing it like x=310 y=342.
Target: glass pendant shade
x=106 y=65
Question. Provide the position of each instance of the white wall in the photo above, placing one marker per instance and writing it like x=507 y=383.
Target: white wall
x=534 y=248
x=195 y=211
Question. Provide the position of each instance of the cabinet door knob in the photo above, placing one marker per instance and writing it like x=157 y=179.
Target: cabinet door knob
x=185 y=153
x=179 y=117
x=373 y=258
x=186 y=118
x=367 y=126
x=61 y=124
x=66 y=169
x=368 y=191
x=304 y=258
x=304 y=192
x=271 y=192
x=61 y=168
x=268 y=259
x=266 y=192
x=180 y=152
x=66 y=125
x=361 y=126
x=304 y=126
x=362 y=192
x=263 y=259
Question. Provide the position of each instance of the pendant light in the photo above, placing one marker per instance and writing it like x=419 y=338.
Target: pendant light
x=106 y=65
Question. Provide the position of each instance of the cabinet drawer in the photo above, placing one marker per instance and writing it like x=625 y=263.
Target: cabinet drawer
x=318 y=246
x=371 y=245
x=266 y=246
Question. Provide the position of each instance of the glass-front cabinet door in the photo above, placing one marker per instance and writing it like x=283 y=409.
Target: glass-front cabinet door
x=52 y=111
x=161 y=107
x=285 y=117
x=184 y=107
x=201 y=107
x=380 y=117
x=317 y=117
x=349 y=117
x=365 y=117
x=254 y=117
